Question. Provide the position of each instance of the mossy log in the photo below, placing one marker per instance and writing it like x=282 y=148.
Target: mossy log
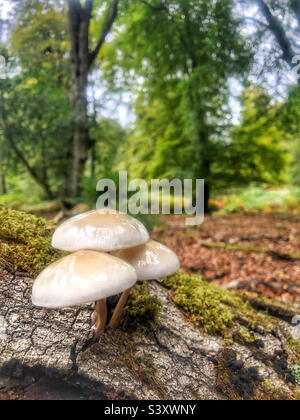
x=179 y=339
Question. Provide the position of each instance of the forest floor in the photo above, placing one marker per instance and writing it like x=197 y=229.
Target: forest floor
x=258 y=253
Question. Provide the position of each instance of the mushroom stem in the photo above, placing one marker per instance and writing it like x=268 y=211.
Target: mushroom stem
x=115 y=320
x=101 y=317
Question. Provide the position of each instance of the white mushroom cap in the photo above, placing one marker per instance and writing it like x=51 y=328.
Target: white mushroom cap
x=80 y=278
x=100 y=230
x=151 y=261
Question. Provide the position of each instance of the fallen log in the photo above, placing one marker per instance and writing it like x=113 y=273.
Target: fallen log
x=51 y=354
x=180 y=339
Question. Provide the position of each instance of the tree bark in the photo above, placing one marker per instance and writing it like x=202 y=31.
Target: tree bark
x=51 y=355
x=79 y=22
x=296 y=7
x=3 y=184
x=279 y=33
x=81 y=61
x=207 y=197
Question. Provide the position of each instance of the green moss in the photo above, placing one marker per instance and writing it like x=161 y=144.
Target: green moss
x=294 y=345
x=243 y=336
x=268 y=392
x=25 y=241
x=142 y=310
x=212 y=309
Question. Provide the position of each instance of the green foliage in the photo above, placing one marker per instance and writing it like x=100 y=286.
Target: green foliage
x=25 y=241
x=108 y=136
x=296 y=373
x=176 y=62
x=258 y=149
x=41 y=42
x=182 y=68
x=291 y=117
x=35 y=113
x=259 y=199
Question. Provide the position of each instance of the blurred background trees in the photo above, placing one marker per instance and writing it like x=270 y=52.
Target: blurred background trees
x=161 y=88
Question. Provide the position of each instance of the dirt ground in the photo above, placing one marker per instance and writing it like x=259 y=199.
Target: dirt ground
x=258 y=253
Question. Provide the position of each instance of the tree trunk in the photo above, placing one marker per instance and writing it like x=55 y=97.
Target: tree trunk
x=205 y=164
x=3 y=184
x=207 y=197
x=50 y=355
x=79 y=22
x=279 y=32
x=81 y=61
x=93 y=161
x=296 y=7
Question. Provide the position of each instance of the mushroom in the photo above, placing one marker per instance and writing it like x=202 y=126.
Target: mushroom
x=83 y=277
x=150 y=261
x=101 y=230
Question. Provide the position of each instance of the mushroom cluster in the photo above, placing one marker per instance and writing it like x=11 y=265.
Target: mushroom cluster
x=110 y=252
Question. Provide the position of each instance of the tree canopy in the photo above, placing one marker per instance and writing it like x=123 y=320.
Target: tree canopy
x=177 y=61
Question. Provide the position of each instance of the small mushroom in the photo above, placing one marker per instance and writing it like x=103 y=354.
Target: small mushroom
x=81 y=278
x=100 y=230
x=150 y=261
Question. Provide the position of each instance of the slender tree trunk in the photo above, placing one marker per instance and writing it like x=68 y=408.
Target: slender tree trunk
x=205 y=173
x=93 y=161
x=79 y=21
x=207 y=191
x=204 y=158
x=279 y=32
x=296 y=7
x=81 y=61
x=3 y=184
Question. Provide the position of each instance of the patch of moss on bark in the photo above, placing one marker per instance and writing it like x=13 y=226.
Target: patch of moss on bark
x=25 y=241
x=141 y=314
x=243 y=336
x=294 y=345
x=268 y=392
x=213 y=310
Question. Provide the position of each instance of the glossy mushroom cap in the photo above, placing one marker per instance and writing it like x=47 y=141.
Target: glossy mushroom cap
x=80 y=278
x=151 y=261
x=100 y=230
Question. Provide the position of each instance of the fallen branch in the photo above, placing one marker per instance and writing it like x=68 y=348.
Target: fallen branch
x=249 y=249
